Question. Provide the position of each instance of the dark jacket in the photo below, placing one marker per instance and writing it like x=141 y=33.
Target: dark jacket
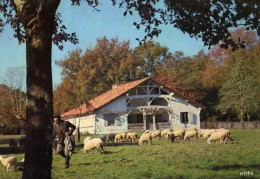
x=64 y=126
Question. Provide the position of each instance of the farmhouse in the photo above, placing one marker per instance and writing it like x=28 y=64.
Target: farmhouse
x=138 y=105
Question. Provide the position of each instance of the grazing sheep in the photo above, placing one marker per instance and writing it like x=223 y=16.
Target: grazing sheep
x=118 y=137
x=190 y=134
x=8 y=162
x=132 y=136
x=179 y=134
x=164 y=132
x=156 y=133
x=103 y=138
x=207 y=133
x=111 y=137
x=147 y=131
x=145 y=138
x=151 y=131
x=94 y=143
x=86 y=139
x=220 y=136
x=170 y=136
x=201 y=133
x=123 y=135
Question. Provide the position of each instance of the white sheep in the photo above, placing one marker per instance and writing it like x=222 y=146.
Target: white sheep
x=190 y=134
x=164 y=132
x=8 y=162
x=220 y=136
x=132 y=136
x=87 y=139
x=170 y=136
x=94 y=143
x=156 y=133
x=118 y=137
x=145 y=138
x=179 y=133
x=191 y=129
x=207 y=133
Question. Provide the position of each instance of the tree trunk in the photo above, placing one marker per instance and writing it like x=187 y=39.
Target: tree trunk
x=38 y=18
x=39 y=109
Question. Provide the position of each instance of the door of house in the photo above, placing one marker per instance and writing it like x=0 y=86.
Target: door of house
x=149 y=122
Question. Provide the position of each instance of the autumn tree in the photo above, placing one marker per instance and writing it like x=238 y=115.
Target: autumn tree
x=86 y=75
x=36 y=23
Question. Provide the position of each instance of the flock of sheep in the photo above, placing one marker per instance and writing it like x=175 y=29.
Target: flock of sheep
x=211 y=135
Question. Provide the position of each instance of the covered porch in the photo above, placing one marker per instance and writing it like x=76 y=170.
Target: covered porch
x=149 y=118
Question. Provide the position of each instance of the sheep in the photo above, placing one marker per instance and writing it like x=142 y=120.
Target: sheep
x=145 y=138
x=221 y=135
x=201 y=133
x=123 y=135
x=190 y=129
x=147 y=131
x=132 y=136
x=207 y=133
x=170 y=136
x=94 y=143
x=8 y=162
x=179 y=133
x=190 y=134
x=156 y=133
x=111 y=137
x=86 y=139
x=164 y=132
x=103 y=138
x=118 y=137
x=151 y=131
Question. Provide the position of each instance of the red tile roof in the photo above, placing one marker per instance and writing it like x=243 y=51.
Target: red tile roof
x=111 y=95
x=104 y=98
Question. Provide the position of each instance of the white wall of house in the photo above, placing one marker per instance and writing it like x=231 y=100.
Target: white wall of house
x=180 y=105
x=99 y=122
x=116 y=107
x=86 y=123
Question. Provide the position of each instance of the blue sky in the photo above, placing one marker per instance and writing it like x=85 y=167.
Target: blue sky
x=90 y=25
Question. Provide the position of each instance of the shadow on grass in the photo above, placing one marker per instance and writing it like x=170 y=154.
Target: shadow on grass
x=11 y=150
x=236 y=166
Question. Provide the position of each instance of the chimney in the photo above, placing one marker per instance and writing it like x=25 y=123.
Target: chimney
x=114 y=86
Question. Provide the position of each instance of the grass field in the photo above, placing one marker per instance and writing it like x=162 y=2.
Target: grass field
x=185 y=159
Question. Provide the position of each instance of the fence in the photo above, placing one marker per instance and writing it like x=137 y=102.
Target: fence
x=230 y=125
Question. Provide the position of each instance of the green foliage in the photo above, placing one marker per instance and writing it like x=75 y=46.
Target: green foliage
x=151 y=54
x=240 y=90
x=185 y=159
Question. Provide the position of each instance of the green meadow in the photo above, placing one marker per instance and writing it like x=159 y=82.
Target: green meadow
x=239 y=157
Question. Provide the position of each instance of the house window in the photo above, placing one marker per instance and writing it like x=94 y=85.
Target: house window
x=184 y=117
x=110 y=119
